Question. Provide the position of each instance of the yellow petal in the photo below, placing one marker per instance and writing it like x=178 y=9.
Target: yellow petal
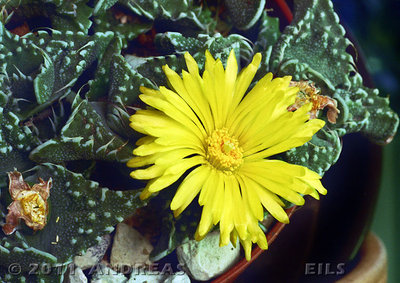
x=189 y=188
x=185 y=164
x=253 y=201
x=162 y=182
x=179 y=86
x=191 y=64
x=286 y=193
x=172 y=112
x=148 y=173
x=303 y=135
x=217 y=205
x=145 y=194
x=247 y=248
x=196 y=92
x=205 y=224
x=171 y=157
x=271 y=203
x=152 y=148
x=210 y=62
x=142 y=160
x=230 y=81
x=174 y=99
x=226 y=224
x=244 y=80
x=239 y=211
x=208 y=190
x=220 y=91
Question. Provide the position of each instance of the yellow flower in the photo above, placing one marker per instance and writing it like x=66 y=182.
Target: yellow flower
x=225 y=136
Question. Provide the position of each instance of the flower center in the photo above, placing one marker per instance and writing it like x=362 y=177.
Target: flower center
x=33 y=206
x=223 y=151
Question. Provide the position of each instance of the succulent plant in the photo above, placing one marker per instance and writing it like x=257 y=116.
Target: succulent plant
x=69 y=81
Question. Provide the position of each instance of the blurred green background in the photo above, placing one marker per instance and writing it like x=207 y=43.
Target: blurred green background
x=376 y=26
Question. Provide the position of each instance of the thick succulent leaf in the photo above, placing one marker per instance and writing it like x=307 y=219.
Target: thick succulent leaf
x=63 y=57
x=123 y=94
x=218 y=45
x=62 y=14
x=85 y=136
x=170 y=42
x=244 y=14
x=362 y=109
x=80 y=213
x=268 y=34
x=16 y=54
x=16 y=89
x=319 y=153
x=174 y=231
x=103 y=5
x=178 y=11
x=125 y=81
x=150 y=68
x=44 y=82
x=313 y=48
x=72 y=15
x=71 y=53
x=100 y=85
x=15 y=142
x=125 y=30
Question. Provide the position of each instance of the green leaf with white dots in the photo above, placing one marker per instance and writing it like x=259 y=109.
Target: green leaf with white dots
x=15 y=143
x=126 y=81
x=245 y=14
x=364 y=110
x=319 y=153
x=100 y=84
x=103 y=5
x=179 y=13
x=268 y=35
x=313 y=46
x=124 y=92
x=62 y=15
x=174 y=231
x=70 y=55
x=85 y=136
x=44 y=82
x=80 y=213
x=126 y=31
x=218 y=45
x=14 y=52
x=177 y=44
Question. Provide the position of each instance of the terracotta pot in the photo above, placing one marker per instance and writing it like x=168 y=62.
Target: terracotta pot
x=326 y=233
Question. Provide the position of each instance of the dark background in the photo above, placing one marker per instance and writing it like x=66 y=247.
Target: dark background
x=375 y=24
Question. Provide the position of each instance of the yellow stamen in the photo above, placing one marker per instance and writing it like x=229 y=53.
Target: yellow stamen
x=223 y=151
x=33 y=206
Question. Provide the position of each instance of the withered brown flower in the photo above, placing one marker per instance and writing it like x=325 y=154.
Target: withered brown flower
x=29 y=204
x=308 y=92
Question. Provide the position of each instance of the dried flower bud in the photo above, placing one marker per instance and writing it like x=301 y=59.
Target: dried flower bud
x=309 y=93
x=29 y=204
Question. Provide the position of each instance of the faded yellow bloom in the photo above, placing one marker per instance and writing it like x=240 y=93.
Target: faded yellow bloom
x=29 y=204
x=309 y=93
